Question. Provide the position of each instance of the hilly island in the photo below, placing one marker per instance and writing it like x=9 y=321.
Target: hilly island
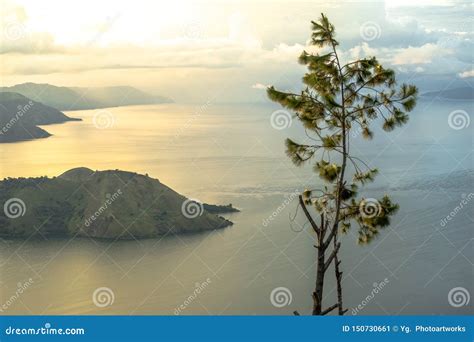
x=109 y=204
x=82 y=98
x=20 y=117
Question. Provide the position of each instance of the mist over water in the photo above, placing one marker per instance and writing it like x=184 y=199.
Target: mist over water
x=231 y=154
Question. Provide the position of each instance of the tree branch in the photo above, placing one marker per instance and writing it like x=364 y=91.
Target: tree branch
x=308 y=216
x=332 y=256
x=328 y=310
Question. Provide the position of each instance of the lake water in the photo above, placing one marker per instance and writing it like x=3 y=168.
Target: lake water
x=231 y=154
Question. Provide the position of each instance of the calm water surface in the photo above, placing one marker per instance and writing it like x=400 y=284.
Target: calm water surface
x=231 y=154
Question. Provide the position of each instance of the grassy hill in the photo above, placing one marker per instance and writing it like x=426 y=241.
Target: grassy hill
x=77 y=98
x=102 y=204
x=20 y=116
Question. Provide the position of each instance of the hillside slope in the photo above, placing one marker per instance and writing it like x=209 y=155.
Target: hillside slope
x=19 y=117
x=79 y=98
x=101 y=204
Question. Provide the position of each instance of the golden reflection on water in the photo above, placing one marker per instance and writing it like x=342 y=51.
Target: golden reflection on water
x=205 y=154
x=143 y=139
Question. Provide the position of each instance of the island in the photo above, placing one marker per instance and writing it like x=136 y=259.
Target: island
x=110 y=204
x=462 y=93
x=83 y=98
x=20 y=117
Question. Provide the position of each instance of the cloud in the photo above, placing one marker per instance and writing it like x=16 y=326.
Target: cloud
x=231 y=44
x=16 y=36
x=420 y=55
x=259 y=86
x=467 y=74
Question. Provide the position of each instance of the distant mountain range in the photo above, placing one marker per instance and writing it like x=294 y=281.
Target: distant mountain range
x=463 y=93
x=101 y=204
x=20 y=117
x=77 y=98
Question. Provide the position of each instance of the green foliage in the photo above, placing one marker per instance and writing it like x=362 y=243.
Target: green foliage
x=336 y=99
x=327 y=171
x=365 y=177
x=63 y=206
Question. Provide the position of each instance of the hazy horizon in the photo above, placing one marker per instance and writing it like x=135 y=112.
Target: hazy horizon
x=235 y=49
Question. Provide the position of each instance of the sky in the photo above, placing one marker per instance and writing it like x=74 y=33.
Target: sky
x=228 y=51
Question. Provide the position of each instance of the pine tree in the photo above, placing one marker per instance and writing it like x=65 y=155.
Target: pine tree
x=338 y=99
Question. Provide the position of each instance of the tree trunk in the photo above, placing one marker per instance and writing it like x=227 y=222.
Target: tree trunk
x=338 y=273
x=318 y=293
x=320 y=269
